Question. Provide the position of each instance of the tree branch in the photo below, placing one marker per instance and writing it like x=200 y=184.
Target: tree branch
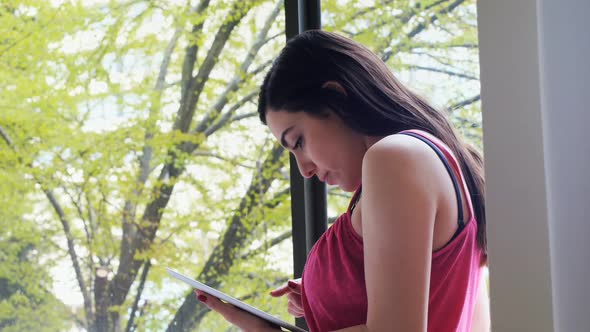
x=71 y=251
x=216 y=156
x=265 y=246
x=422 y=26
x=144 y=274
x=6 y=138
x=277 y=35
x=444 y=71
x=193 y=86
x=161 y=80
x=87 y=230
x=369 y=9
x=234 y=83
x=434 y=17
x=464 y=103
x=401 y=19
x=466 y=123
x=76 y=203
x=438 y=46
x=192 y=50
x=260 y=68
x=243 y=116
x=227 y=116
x=273 y=242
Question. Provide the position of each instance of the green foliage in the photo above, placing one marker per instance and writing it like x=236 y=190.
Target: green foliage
x=25 y=288
x=93 y=92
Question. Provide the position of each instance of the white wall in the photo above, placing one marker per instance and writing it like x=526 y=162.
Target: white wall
x=565 y=85
x=520 y=283
x=535 y=60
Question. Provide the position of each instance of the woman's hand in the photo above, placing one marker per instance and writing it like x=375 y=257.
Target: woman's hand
x=243 y=320
x=293 y=291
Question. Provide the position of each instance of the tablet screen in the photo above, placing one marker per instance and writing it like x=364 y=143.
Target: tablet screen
x=234 y=301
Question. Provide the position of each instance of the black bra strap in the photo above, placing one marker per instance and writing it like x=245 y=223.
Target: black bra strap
x=451 y=173
x=356 y=199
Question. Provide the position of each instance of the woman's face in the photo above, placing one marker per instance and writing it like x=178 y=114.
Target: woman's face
x=323 y=146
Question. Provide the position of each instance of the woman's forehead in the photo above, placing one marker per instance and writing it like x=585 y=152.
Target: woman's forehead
x=280 y=118
x=278 y=121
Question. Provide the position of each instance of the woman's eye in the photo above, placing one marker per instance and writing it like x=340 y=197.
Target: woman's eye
x=298 y=143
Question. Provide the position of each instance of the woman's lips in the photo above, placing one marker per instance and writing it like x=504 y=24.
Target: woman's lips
x=328 y=180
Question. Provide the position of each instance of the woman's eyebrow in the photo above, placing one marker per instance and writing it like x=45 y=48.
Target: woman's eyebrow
x=285 y=132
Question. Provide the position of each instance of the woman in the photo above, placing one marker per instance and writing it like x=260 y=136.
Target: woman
x=408 y=254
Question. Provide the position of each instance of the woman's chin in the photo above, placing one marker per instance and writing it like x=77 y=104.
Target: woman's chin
x=346 y=187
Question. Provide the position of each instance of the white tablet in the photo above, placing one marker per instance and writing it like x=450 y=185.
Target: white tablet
x=233 y=301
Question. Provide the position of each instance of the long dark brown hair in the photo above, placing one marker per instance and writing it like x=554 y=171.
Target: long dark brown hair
x=375 y=103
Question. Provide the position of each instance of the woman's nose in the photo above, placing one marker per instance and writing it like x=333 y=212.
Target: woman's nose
x=306 y=167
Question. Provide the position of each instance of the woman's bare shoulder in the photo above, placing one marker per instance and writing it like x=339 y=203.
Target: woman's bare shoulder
x=400 y=150
x=402 y=160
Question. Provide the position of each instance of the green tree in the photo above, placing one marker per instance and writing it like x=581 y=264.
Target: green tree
x=25 y=289
x=25 y=281
x=130 y=128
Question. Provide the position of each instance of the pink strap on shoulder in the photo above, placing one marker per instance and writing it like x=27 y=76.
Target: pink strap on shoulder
x=452 y=161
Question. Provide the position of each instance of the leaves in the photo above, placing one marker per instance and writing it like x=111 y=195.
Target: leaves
x=140 y=118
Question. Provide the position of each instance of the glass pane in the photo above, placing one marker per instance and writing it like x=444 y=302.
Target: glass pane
x=131 y=143
x=431 y=46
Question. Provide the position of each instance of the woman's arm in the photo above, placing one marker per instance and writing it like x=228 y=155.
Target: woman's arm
x=400 y=194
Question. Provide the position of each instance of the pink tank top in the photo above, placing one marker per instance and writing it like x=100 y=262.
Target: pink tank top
x=333 y=284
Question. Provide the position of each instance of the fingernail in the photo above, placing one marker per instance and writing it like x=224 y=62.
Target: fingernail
x=292 y=284
x=202 y=298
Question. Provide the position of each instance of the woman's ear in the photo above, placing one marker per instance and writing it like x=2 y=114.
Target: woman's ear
x=333 y=85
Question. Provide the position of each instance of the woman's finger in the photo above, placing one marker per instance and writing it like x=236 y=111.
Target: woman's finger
x=296 y=300
x=280 y=291
x=294 y=311
x=295 y=286
x=235 y=316
x=228 y=311
x=291 y=286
